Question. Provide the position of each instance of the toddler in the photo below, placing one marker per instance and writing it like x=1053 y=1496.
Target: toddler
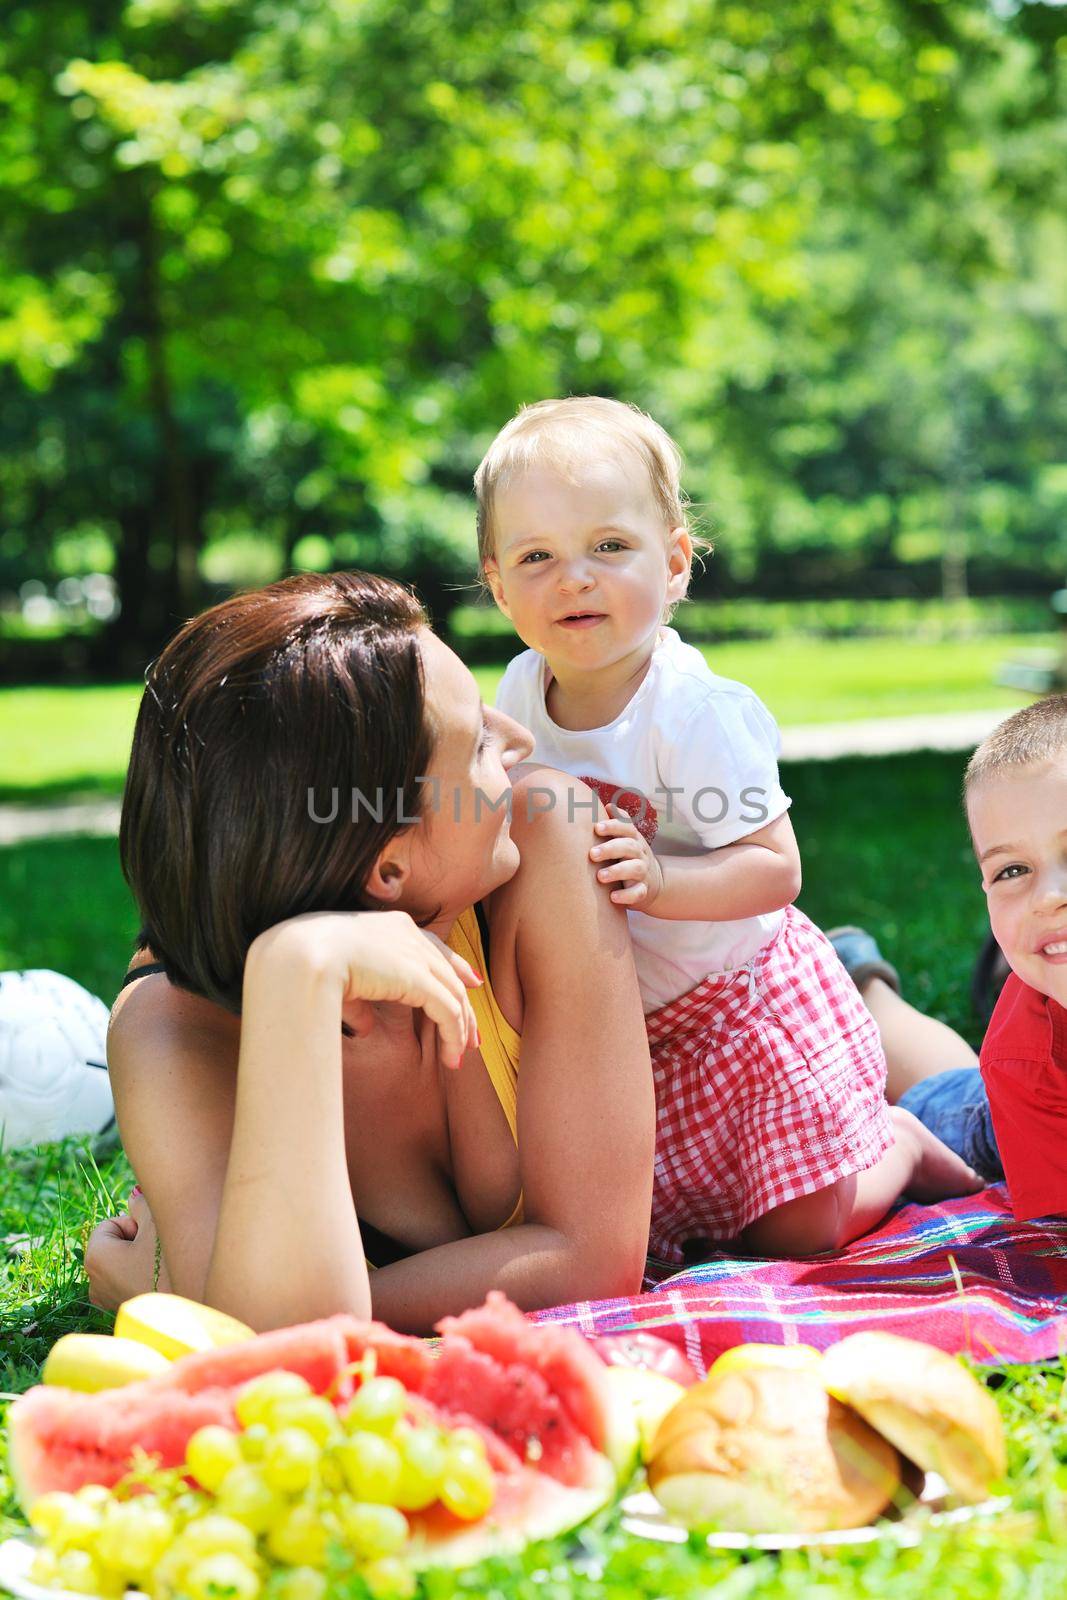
x=773 y=1132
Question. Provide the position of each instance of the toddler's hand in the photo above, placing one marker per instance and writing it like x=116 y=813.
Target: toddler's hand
x=635 y=867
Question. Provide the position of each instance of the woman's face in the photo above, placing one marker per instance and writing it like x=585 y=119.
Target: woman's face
x=461 y=849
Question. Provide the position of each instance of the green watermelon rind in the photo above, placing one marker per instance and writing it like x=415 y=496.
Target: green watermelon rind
x=560 y=1509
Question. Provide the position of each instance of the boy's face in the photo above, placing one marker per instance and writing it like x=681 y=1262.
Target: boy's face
x=1019 y=826
x=585 y=568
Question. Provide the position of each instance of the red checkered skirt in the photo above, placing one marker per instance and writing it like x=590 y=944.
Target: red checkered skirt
x=770 y=1084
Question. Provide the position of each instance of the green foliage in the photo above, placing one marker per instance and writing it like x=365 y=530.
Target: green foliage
x=285 y=268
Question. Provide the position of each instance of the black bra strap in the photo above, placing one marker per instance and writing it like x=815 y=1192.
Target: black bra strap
x=142 y=972
x=379 y=1249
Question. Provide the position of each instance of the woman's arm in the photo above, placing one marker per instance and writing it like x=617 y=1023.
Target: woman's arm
x=586 y=1103
x=172 y=1061
x=288 y=1248
x=236 y=1131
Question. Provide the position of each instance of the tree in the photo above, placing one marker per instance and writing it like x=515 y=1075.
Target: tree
x=287 y=268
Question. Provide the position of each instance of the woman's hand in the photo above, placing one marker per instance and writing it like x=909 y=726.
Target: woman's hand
x=379 y=956
x=120 y=1256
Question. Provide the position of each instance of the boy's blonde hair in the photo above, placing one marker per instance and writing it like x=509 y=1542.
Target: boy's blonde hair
x=1036 y=733
x=564 y=434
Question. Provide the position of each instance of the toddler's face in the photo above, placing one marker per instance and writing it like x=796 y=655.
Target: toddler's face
x=1019 y=827
x=585 y=568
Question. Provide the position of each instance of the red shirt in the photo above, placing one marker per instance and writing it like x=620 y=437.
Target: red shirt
x=1024 y=1066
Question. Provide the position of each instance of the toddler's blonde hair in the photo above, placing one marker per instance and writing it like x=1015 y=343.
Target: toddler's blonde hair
x=564 y=434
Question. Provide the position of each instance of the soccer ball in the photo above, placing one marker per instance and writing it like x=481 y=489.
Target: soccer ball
x=53 y=1062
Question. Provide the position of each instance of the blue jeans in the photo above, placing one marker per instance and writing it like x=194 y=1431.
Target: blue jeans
x=954 y=1106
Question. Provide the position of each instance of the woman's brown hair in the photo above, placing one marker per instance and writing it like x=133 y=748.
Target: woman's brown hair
x=260 y=721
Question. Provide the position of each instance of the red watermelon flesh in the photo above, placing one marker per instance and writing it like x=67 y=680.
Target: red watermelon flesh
x=571 y=1368
x=397 y=1354
x=318 y=1351
x=516 y=1403
x=500 y=1456
x=58 y=1439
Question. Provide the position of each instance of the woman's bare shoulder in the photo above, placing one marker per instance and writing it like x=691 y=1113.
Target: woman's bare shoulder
x=172 y=1059
x=152 y=1017
x=552 y=823
x=551 y=804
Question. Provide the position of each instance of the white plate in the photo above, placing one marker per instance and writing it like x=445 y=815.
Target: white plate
x=643 y=1516
x=16 y=1557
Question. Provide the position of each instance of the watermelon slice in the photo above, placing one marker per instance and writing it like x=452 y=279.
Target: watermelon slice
x=537 y=1394
x=59 y=1438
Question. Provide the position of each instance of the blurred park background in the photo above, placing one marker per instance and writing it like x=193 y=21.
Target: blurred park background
x=272 y=274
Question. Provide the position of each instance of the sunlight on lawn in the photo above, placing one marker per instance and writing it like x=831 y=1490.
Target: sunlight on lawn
x=55 y=741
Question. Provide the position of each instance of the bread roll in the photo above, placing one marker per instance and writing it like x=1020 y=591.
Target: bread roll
x=769 y=1451
x=926 y=1403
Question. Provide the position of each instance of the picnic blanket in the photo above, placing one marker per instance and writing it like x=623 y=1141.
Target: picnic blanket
x=963 y=1275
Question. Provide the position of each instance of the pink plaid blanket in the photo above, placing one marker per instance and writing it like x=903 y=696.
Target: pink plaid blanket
x=963 y=1275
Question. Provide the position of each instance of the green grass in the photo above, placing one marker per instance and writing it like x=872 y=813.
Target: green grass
x=64 y=904
x=850 y=680
x=884 y=845
x=59 y=742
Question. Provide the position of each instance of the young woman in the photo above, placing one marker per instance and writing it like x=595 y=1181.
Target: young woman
x=308 y=1071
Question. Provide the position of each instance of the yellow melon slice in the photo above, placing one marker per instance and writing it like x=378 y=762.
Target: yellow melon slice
x=175 y=1326
x=92 y=1361
x=650 y=1395
x=744 y=1357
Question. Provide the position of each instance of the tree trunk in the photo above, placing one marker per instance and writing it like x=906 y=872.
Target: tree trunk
x=140 y=627
x=961 y=473
x=153 y=598
x=180 y=511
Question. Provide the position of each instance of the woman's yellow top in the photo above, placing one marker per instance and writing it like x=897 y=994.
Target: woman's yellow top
x=500 y=1042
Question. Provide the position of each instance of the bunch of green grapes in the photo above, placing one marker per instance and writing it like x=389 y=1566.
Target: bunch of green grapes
x=269 y=1501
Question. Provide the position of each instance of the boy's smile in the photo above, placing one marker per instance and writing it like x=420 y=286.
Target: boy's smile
x=1018 y=823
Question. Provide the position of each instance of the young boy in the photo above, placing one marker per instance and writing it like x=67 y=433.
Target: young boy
x=1016 y=797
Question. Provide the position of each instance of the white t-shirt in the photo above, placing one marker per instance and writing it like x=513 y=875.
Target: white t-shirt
x=702 y=751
